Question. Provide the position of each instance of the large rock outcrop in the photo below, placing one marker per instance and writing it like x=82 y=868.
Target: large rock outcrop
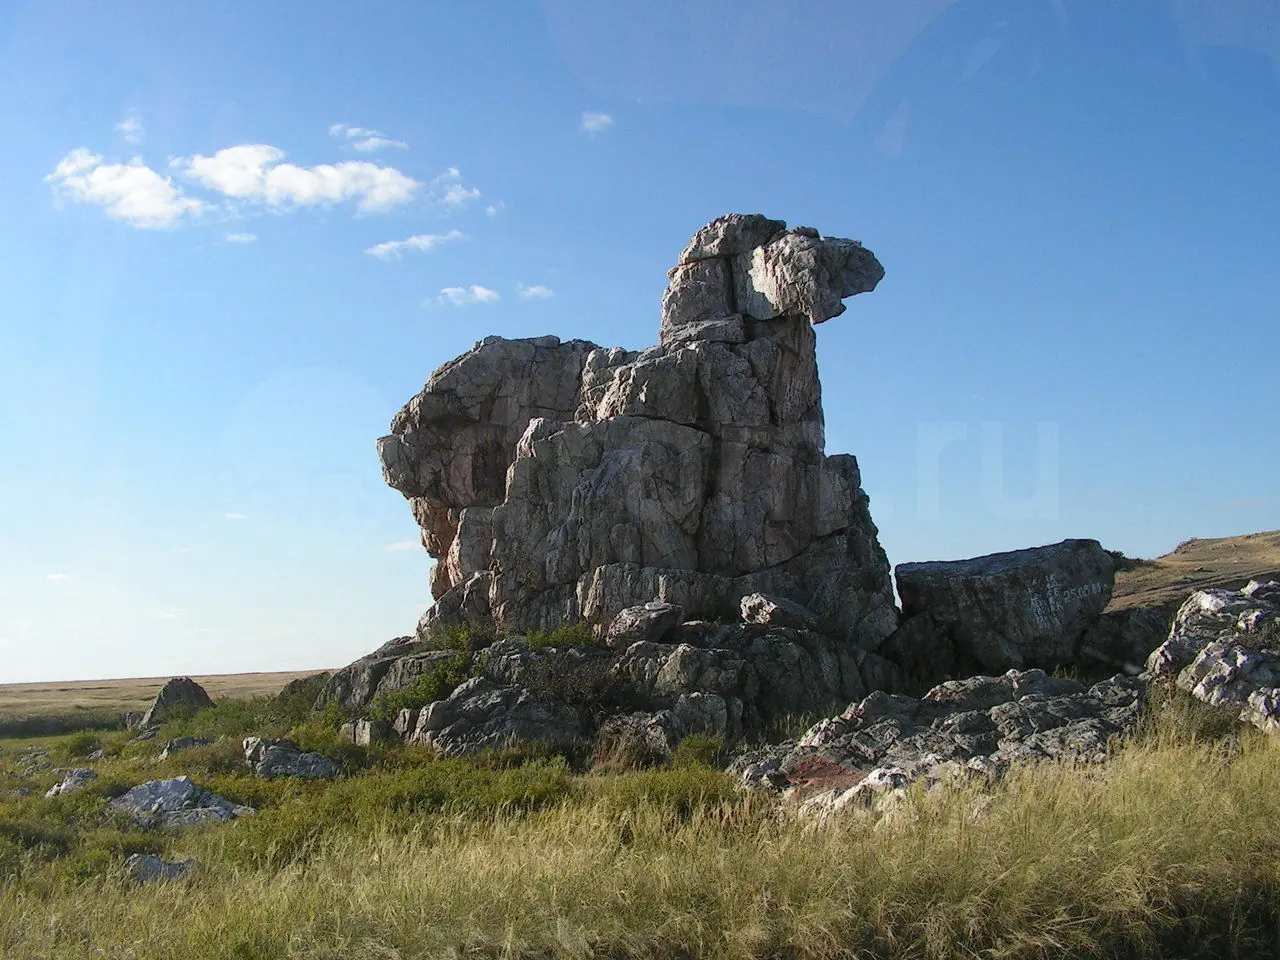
x=1224 y=649
x=558 y=482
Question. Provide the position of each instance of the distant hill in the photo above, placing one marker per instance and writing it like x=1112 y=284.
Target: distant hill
x=1167 y=581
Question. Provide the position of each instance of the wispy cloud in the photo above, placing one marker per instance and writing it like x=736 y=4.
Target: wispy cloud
x=493 y=209
x=593 y=123
x=364 y=139
x=254 y=172
x=240 y=237
x=893 y=136
x=57 y=577
x=130 y=192
x=131 y=129
x=535 y=292
x=395 y=249
x=401 y=546
x=234 y=516
x=462 y=296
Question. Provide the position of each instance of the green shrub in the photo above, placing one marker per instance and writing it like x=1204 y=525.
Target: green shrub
x=80 y=745
x=434 y=683
x=681 y=790
x=577 y=634
x=700 y=749
x=455 y=636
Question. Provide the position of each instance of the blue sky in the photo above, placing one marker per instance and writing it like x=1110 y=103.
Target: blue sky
x=211 y=304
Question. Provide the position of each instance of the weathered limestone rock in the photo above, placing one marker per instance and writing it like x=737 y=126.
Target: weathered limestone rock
x=147 y=868
x=1224 y=649
x=562 y=481
x=282 y=758
x=176 y=802
x=480 y=715
x=648 y=621
x=179 y=695
x=1004 y=611
x=71 y=781
x=977 y=726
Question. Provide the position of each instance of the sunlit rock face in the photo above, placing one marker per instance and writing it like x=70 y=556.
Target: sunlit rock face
x=558 y=481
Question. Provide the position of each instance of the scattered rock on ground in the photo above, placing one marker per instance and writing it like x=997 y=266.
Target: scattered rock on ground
x=179 y=695
x=72 y=780
x=283 y=758
x=176 y=802
x=147 y=867
x=178 y=744
x=1224 y=649
x=977 y=726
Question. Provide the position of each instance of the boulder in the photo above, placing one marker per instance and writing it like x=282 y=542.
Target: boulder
x=282 y=758
x=1123 y=639
x=72 y=780
x=174 y=803
x=776 y=612
x=300 y=685
x=648 y=621
x=179 y=696
x=1224 y=649
x=481 y=715
x=978 y=726
x=1025 y=608
x=148 y=868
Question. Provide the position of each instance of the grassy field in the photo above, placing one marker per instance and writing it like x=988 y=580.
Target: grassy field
x=120 y=696
x=1196 y=564
x=1169 y=850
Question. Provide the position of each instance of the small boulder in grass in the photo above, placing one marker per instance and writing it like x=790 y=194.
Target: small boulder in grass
x=283 y=758
x=179 y=695
x=72 y=780
x=147 y=868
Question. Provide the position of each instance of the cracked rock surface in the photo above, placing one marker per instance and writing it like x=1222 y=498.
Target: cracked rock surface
x=977 y=726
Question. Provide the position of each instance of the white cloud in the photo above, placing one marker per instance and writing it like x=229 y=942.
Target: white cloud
x=461 y=296
x=234 y=516
x=493 y=209
x=373 y=144
x=394 y=249
x=594 y=123
x=366 y=140
x=131 y=192
x=58 y=577
x=131 y=128
x=253 y=171
x=536 y=292
x=240 y=237
x=401 y=546
x=457 y=195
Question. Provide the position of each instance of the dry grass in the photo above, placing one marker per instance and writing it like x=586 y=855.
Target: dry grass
x=1168 y=851
x=1196 y=564
x=61 y=697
